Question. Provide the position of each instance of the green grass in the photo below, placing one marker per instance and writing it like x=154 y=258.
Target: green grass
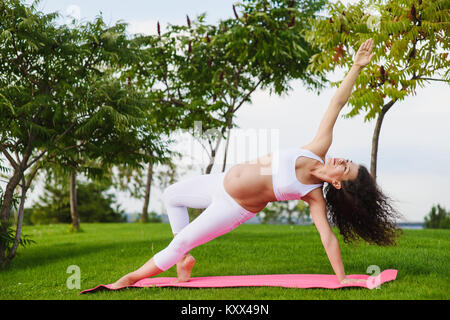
x=105 y=252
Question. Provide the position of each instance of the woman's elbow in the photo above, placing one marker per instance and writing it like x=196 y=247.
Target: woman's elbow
x=338 y=101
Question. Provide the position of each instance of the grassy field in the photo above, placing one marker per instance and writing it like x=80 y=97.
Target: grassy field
x=105 y=252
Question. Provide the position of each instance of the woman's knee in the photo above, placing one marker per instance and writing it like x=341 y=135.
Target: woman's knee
x=181 y=243
x=168 y=193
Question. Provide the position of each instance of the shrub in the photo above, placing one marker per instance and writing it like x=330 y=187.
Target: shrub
x=438 y=218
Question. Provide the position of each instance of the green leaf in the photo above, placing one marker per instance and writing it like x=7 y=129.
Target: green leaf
x=7 y=103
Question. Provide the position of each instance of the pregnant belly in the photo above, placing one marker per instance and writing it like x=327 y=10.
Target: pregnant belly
x=250 y=186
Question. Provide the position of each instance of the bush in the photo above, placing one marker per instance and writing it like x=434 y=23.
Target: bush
x=94 y=205
x=153 y=217
x=438 y=218
x=285 y=212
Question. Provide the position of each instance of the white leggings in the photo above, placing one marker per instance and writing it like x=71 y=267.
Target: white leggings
x=222 y=214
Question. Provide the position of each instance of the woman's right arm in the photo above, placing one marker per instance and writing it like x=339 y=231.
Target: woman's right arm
x=329 y=241
x=317 y=207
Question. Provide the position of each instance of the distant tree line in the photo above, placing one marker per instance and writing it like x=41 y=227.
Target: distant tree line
x=438 y=218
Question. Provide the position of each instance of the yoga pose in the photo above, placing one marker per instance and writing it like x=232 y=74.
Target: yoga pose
x=354 y=202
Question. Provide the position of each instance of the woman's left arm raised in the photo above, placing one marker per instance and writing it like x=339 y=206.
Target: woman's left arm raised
x=324 y=136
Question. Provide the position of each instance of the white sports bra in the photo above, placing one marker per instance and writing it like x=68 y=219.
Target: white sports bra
x=285 y=183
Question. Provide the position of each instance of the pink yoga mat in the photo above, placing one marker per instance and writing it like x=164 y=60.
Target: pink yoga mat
x=273 y=280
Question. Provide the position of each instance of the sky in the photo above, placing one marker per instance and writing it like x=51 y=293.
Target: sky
x=414 y=146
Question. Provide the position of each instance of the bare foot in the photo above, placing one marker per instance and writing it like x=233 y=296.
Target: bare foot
x=122 y=282
x=184 y=268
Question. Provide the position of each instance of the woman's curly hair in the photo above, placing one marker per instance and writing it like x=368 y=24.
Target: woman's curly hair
x=361 y=210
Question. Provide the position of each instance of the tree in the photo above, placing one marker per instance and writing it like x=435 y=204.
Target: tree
x=138 y=181
x=410 y=46
x=284 y=212
x=438 y=217
x=53 y=205
x=211 y=71
x=154 y=73
x=94 y=204
x=63 y=105
x=205 y=73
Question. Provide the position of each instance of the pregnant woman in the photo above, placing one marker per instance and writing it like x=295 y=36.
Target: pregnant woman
x=352 y=198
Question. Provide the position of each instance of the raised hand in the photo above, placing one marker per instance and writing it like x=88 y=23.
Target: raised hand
x=364 y=54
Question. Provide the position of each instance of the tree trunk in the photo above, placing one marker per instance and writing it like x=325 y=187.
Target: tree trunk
x=229 y=117
x=226 y=151
x=213 y=155
x=16 y=213
x=8 y=195
x=144 y=216
x=8 y=198
x=211 y=162
x=6 y=210
x=376 y=137
x=13 y=250
x=73 y=202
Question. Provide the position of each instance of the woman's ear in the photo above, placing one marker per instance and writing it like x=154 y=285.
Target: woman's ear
x=336 y=184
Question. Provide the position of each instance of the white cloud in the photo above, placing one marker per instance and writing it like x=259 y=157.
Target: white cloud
x=73 y=12
x=147 y=27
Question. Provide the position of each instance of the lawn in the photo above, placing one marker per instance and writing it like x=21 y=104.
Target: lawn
x=105 y=252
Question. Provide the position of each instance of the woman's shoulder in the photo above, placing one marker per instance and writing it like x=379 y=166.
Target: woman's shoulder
x=317 y=149
x=314 y=197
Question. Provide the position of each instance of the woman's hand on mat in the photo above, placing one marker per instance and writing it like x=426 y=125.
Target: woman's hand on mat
x=350 y=281
x=364 y=54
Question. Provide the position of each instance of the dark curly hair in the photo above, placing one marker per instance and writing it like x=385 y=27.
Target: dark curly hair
x=362 y=211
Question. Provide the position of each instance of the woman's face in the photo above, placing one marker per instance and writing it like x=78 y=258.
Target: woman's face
x=339 y=169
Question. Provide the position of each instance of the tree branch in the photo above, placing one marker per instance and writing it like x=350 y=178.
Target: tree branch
x=32 y=175
x=36 y=159
x=432 y=79
x=28 y=151
x=173 y=101
x=9 y=157
x=66 y=131
x=224 y=98
x=248 y=94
